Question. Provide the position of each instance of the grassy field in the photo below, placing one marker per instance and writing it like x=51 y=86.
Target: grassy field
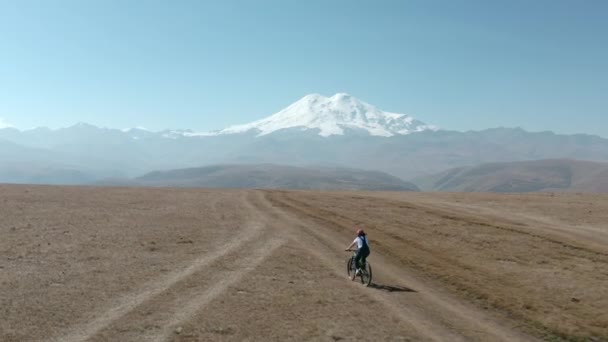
x=134 y=264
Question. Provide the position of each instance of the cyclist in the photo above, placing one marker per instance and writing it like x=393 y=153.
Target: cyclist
x=362 y=248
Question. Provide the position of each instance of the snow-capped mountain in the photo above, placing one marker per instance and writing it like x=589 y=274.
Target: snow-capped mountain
x=331 y=116
x=372 y=139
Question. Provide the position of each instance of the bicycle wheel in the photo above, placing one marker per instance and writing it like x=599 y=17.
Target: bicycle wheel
x=350 y=269
x=366 y=275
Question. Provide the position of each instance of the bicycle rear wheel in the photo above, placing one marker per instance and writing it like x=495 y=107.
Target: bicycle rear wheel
x=366 y=274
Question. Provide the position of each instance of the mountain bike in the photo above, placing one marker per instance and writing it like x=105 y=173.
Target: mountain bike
x=366 y=270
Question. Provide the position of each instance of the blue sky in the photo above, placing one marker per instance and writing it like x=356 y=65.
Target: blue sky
x=541 y=65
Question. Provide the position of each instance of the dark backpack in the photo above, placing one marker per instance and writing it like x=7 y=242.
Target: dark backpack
x=364 y=240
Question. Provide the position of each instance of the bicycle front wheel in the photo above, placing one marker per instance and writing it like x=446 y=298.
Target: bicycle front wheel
x=350 y=268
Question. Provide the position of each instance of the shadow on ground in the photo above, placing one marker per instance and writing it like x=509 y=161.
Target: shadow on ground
x=389 y=288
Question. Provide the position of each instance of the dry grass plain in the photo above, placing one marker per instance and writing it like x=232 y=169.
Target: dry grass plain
x=133 y=264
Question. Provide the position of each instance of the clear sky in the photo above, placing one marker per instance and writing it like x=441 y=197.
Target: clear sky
x=537 y=64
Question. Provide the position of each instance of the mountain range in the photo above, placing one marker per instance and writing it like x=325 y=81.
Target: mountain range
x=317 y=131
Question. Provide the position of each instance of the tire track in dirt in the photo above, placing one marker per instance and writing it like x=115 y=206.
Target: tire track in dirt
x=424 y=327
x=432 y=312
x=225 y=279
x=588 y=238
x=585 y=238
x=127 y=303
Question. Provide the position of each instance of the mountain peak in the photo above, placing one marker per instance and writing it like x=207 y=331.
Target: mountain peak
x=331 y=116
x=81 y=126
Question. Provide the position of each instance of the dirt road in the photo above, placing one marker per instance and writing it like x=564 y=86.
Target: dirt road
x=94 y=264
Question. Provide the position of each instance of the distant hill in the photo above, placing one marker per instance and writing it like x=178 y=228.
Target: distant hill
x=275 y=177
x=527 y=176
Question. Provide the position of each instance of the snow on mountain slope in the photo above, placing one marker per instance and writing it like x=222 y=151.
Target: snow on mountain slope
x=331 y=115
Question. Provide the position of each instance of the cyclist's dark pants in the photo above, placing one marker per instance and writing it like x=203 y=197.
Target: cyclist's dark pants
x=362 y=253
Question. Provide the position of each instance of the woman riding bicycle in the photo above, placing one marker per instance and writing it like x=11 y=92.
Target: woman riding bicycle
x=362 y=249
